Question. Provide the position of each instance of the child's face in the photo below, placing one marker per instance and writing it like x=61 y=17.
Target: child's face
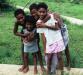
x=42 y=12
x=34 y=12
x=29 y=26
x=20 y=18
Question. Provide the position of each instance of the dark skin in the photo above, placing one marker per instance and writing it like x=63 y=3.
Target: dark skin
x=43 y=13
x=20 y=21
x=29 y=38
x=35 y=15
x=60 y=22
x=67 y=53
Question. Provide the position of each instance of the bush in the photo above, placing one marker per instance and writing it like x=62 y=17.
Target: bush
x=5 y=5
x=76 y=1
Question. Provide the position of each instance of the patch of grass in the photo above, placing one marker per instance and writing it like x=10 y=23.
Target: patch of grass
x=10 y=51
x=64 y=8
x=75 y=44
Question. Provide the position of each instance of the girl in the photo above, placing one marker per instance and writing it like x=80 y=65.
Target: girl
x=30 y=43
x=54 y=40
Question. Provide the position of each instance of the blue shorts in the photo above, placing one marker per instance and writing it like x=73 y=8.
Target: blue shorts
x=31 y=47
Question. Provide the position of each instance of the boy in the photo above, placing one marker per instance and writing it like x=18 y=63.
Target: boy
x=20 y=23
x=33 y=11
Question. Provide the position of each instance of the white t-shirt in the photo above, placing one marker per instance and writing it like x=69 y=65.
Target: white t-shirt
x=54 y=40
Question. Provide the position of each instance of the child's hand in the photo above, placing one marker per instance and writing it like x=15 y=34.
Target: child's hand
x=25 y=40
x=39 y=22
x=31 y=37
x=25 y=35
x=41 y=25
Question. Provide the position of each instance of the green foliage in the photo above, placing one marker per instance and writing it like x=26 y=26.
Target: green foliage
x=10 y=51
x=76 y=1
x=5 y=5
x=75 y=44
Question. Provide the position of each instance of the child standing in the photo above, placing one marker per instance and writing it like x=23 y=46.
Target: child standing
x=33 y=11
x=54 y=40
x=30 y=43
x=20 y=23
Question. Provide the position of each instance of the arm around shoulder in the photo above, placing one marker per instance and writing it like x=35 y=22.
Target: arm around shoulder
x=59 y=19
x=15 y=30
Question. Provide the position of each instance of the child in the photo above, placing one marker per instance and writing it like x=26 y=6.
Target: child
x=64 y=33
x=54 y=40
x=20 y=23
x=30 y=43
x=65 y=36
x=33 y=11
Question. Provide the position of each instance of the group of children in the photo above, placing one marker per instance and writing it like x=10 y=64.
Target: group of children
x=49 y=25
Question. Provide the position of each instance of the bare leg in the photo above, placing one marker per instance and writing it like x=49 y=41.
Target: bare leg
x=49 y=59
x=54 y=63
x=26 y=69
x=35 y=63
x=22 y=51
x=60 y=60
x=40 y=58
x=67 y=56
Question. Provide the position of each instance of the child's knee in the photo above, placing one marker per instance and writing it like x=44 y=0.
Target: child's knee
x=25 y=56
x=59 y=56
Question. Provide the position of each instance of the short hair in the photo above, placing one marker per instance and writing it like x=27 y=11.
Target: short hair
x=42 y=5
x=19 y=11
x=33 y=6
x=30 y=19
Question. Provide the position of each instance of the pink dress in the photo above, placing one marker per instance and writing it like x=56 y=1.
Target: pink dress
x=54 y=40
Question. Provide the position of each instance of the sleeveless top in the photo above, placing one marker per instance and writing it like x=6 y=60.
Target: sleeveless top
x=54 y=40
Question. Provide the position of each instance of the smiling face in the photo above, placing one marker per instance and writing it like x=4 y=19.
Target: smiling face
x=20 y=18
x=42 y=12
x=33 y=12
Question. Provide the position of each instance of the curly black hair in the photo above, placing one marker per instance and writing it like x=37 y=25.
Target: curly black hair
x=19 y=11
x=33 y=6
x=42 y=5
x=30 y=19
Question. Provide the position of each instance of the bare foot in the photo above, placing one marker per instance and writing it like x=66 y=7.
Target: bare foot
x=43 y=69
x=26 y=70
x=21 y=69
x=35 y=70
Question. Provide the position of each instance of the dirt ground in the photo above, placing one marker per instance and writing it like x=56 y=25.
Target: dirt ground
x=9 y=69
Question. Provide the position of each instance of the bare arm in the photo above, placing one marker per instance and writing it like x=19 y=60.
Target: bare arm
x=43 y=25
x=15 y=31
x=44 y=42
x=58 y=24
x=53 y=27
x=46 y=18
x=59 y=19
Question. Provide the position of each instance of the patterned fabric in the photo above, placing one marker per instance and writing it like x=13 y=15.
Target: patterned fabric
x=64 y=32
x=55 y=47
